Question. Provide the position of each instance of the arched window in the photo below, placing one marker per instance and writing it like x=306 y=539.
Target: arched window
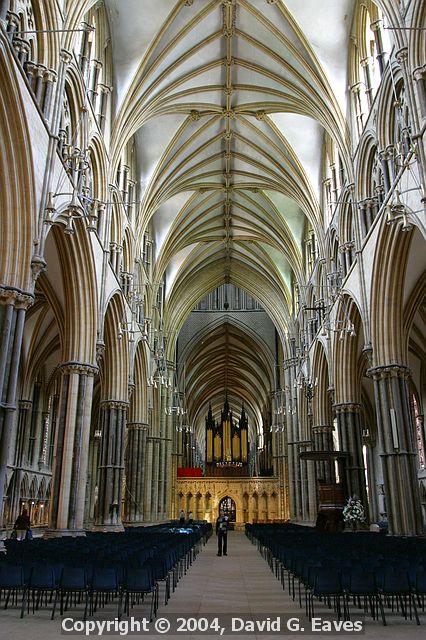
x=93 y=52
x=332 y=178
x=368 y=50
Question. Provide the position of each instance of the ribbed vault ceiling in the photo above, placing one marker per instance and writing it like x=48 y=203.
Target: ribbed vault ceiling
x=228 y=101
x=227 y=360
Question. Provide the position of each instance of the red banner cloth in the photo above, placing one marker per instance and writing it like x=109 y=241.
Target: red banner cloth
x=189 y=472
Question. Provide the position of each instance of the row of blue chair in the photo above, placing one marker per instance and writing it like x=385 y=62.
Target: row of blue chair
x=99 y=568
x=367 y=570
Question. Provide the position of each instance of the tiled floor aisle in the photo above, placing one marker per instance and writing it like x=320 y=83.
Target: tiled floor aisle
x=239 y=585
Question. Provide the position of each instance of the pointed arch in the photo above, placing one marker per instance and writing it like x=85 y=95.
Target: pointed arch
x=116 y=359
x=17 y=197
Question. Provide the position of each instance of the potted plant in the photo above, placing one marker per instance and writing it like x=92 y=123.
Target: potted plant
x=353 y=513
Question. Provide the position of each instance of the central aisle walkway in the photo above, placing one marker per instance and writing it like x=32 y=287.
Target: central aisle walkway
x=240 y=585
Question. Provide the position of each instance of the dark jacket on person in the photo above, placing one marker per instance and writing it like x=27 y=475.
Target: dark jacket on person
x=222 y=524
x=22 y=522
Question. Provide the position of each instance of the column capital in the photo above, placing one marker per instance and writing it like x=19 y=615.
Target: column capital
x=30 y=67
x=41 y=69
x=104 y=88
x=83 y=368
x=367 y=352
x=16 y=297
x=367 y=202
x=12 y=19
x=355 y=88
x=347 y=407
x=25 y=404
x=66 y=56
x=137 y=426
x=393 y=370
x=114 y=404
x=38 y=265
x=50 y=75
x=402 y=55
x=20 y=44
x=385 y=154
x=375 y=26
x=419 y=73
x=323 y=428
x=100 y=351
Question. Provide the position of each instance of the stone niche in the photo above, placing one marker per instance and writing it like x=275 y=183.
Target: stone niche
x=256 y=499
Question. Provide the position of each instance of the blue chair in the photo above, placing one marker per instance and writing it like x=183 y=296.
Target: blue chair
x=11 y=582
x=160 y=573
x=73 y=583
x=395 y=584
x=327 y=584
x=104 y=587
x=42 y=581
x=362 y=584
x=138 y=582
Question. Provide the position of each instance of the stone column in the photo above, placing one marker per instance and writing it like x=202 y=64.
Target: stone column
x=397 y=447
x=375 y=28
x=373 y=502
x=419 y=76
x=111 y=468
x=384 y=161
x=25 y=407
x=91 y=511
x=38 y=83
x=13 y=305
x=170 y=472
x=355 y=90
x=49 y=79
x=124 y=185
x=365 y=64
x=12 y=21
x=363 y=224
x=350 y=438
x=135 y=471
x=84 y=60
x=22 y=49
x=304 y=483
x=162 y=471
x=155 y=478
x=147 y=516
x=103 y=103
x=371 y=212
x=72 y=449
x=94 y=80
x=292 y=440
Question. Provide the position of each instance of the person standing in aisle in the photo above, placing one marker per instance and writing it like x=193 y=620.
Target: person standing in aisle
x=222 y=525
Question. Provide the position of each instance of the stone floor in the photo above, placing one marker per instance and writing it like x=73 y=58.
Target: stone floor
x=240 y=585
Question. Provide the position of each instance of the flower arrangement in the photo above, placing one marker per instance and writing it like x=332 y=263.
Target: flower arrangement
x=353 y=511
